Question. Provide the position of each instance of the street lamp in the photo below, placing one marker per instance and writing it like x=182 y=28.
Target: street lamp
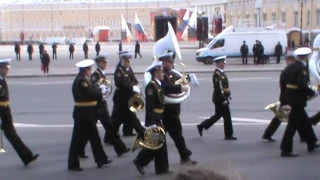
x=301 y=13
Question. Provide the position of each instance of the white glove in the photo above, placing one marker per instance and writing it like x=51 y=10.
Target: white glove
x=139 y=85
x=152 y=126
x=136 y=89
x=103 y=89
x=225 y=103
x=194 y=80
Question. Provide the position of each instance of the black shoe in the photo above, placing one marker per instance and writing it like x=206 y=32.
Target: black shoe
x=188 y=161
x=139 y=167
x=129 y=135
x=125 y=151
x=200 y=129
x=83 y=156
x=232 y=138
x=33 y=158
x=270 y=139
x=314 y=147
x=104 y=164
x=75 y=169
x=288 y=154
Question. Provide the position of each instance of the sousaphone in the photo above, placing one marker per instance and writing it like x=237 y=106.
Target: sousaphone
x=314 y=63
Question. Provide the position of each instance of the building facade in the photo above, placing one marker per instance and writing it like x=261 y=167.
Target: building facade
x=77 y=18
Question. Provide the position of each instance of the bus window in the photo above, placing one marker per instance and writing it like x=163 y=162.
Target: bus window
x=218 y=44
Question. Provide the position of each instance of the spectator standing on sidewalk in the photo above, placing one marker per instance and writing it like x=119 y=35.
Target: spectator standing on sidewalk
x=41 y=49
x=45 y=61
x=278 y=52
x=71 y=50
x=244 y=53
x=30 y=51
x=85 y=50
x=17 y=51
x=120 y=46
x=54 y=50
x=97 y=48
x=137 y=50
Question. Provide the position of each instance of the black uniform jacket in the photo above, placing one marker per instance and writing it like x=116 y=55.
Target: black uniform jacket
x=169 y=87
x=154 y=103
x=86 y=97
x=221 y=91
x=282 y=85
x=95 y=77
x=4 y=96
x=296 y=78
x=124 y=81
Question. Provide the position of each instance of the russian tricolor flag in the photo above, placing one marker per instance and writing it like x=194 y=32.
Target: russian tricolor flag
x=140 y=33
x=125 y=32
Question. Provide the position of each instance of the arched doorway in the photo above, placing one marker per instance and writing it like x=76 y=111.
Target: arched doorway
x=293 y=36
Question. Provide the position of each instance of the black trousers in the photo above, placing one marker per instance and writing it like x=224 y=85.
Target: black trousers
x=121 y=114
x=298 y=121
x=86 y=54
x=255 y=58
x=278 y=59
x=111 y=134
x=315 y=118
x=172 y=125
x=10 y=133
x=98 y=53
x=135 y=54
x=18 y=56
x=30 y=56
x=40 y=52
x=45 y=68
x=54 y=54
x=224 y=112
x=275 y=123
x=84 y=130
x=244 y=59
x=71 y=55
x=160 y=157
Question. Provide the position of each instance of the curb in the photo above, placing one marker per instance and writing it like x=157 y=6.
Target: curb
x=141 y=73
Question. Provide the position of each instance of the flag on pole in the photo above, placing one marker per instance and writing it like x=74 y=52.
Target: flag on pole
x=125 y=29
x=140 y=33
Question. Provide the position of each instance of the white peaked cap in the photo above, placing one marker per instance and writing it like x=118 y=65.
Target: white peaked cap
x=85 y=63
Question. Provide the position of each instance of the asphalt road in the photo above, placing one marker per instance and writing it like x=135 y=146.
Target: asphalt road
x=42 y=110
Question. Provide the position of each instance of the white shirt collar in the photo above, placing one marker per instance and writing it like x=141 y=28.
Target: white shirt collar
x=219 y=69
x=104 y=73
x=158 y=81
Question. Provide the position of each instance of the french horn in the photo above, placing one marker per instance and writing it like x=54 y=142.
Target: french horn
x=314 y=64
x=154 y=139
x=136 y=102
x=1 y=139
x=108 y=84
x=282 y=113
x=169 y=42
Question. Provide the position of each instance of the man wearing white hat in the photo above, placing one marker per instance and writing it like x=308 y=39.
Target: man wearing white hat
x=103 y=112
x=296 y=95
x=6 y=122
x=171 y=113
x=155 y=106
x=126 y=86
x=221 y=98
x=86 y=97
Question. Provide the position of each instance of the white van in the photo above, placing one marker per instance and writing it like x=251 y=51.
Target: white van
x=229 y=42
x=57 y=40
x=78 y=40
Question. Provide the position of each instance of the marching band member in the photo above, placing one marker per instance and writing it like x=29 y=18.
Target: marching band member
x=126 y=86
x=171 y=113
x=86 y=97
x=154 y=115
x=103 y=112
x=296 y=94
x=6 y=122
x=275 y=122
x=220 y=98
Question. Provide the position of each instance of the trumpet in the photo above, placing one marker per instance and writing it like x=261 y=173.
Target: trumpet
x=282 y=113
x=186 y=79
x=107 y=83
x=136 y=102
x=1 y=139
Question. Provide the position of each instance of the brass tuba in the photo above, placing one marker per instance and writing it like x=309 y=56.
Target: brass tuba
x=136 y=102
x=107 y=83
x=282 y=113
x=1 y=139
x=314 y=63
x=154 y=139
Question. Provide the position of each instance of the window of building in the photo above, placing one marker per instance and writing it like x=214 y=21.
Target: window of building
x=31 y=24
x=38 y=24
x=105 y=22
x=26 y=22
x=74 y=23
x=44 y=24
x=21 y=24
x=86 y=23
x=55 y=23
x=111 y=23
x=98 y=22
x=61 y=23
x=308 y=18
x=274 y=17
x=66 y=23
x=318 y=16
x=256 y=20
x=49 y=23
x=93 y=23
x=283 y=17
x=296 y=16
x=14 y=25
x=80 y=22
x=264 y=17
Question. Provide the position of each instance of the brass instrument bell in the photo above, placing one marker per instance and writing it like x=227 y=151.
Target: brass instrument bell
x=282 y=113
x=136 y=102
x=107 y=83
x=184 y=80
x=154 y=139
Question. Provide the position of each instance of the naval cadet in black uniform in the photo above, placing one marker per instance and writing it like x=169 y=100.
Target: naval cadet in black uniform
x=275 y=122
x=171 y=119
x=220 y=98
x=296 y=95
x=126 y=86
x=6 y=122
x=86 y=97
x=154 y=115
